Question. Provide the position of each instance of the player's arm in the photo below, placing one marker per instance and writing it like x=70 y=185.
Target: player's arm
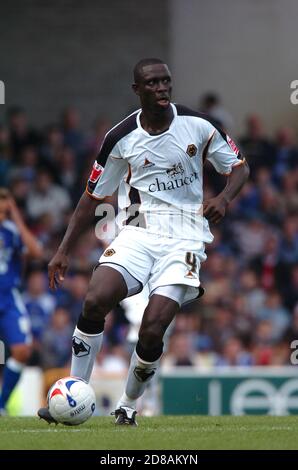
x=102 y=182
x=32 y=245
x=214 y=209
x=226 y=158
x=80 y=220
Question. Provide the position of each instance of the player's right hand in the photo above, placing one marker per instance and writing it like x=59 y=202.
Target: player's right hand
x=56 y=270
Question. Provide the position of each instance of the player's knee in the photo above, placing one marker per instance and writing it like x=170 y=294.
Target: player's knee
x=151 y=336
x=95 y=306
x=21 y=353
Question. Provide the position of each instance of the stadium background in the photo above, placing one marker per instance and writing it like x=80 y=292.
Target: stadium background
x=67 y=74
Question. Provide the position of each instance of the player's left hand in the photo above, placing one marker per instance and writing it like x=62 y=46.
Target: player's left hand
x=214 y=209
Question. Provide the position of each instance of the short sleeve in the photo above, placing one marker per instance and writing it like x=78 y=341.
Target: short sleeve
x=103 y=182
x=107 y=169
x=222 y=152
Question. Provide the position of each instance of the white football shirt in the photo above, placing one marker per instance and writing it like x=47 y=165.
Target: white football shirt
x=160 y=177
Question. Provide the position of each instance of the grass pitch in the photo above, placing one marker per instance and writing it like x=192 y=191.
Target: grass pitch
x=163 y=432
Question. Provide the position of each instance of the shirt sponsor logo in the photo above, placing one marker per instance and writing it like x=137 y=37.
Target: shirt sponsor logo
x=174 y=183
x=175 y=170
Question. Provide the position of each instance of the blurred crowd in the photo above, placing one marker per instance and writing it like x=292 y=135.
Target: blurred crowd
x=249 y=314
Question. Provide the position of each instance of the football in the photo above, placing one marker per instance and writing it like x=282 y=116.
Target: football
x=71 y=401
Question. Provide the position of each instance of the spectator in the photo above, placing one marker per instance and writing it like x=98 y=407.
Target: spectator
x=48 y=198
x=256 y=146
x=73 y=136
x=234 y=354
x=276 y=313
x=289 y=242
x=211 y=104
x=286 y=152
x=56 y=341
x=40 y=305
x=5 y=156
x=21 y=134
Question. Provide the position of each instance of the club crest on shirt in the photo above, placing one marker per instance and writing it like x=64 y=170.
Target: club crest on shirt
x=109 y=252
x=191 y=150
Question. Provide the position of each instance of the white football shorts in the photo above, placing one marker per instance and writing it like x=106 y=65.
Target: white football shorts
x=158 y=260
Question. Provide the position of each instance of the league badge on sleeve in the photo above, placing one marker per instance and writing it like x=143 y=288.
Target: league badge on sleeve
x=96 y=172
x=233 y=145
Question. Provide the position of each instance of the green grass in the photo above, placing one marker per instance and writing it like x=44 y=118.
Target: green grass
x=163 y=432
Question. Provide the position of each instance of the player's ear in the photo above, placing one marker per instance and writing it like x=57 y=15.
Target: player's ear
x=135 y=88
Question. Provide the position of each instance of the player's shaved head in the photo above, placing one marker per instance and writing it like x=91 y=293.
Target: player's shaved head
x=138 y=68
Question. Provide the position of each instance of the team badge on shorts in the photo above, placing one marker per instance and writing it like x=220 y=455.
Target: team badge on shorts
x=109 y=252
x=191 y=150
x=191 y=261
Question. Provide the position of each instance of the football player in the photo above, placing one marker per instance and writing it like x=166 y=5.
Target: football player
x=15 y=241
x=156 y=155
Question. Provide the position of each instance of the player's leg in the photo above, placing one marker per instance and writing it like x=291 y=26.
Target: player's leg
x=122 y=271
x=19 y=356
x=15 y=327
x=158 y=315
x=124 y=267
x=106 y=289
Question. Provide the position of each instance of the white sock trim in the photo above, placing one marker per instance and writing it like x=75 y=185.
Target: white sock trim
x=86 y=334
x=15 y=365
x=145 y=362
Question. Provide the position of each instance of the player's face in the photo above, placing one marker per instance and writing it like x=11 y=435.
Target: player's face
x=155 y=87
x=3 y=209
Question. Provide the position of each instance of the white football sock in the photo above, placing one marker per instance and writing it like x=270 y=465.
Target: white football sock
x=84 y=350
x=139 y=374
